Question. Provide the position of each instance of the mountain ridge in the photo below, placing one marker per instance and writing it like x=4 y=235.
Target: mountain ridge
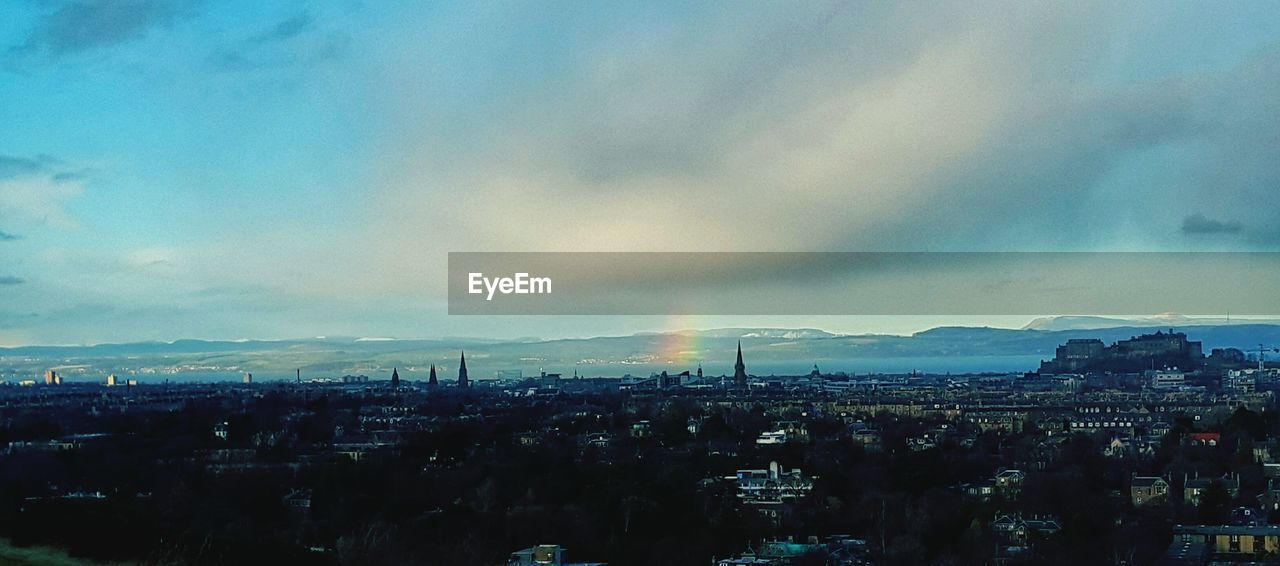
x=643 y=351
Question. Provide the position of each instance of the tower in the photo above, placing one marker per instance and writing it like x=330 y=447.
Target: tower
x=739 y=370
x=395 y=377
x=431 y=380
x=462 y=371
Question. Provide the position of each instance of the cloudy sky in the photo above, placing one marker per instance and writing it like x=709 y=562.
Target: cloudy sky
x=233 y=169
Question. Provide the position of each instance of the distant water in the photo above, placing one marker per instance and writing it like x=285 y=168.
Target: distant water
x=859 y=366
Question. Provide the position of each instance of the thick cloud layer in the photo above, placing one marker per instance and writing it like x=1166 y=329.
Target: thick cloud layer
x=833 y=128
x=293 y=170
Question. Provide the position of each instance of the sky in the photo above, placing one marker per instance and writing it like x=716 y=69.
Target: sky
x=241 y=169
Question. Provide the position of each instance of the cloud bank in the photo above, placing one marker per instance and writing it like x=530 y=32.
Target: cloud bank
x=843 y=128
x=429 y=128
x=78 y=26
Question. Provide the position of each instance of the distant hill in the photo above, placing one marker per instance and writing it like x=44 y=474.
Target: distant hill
x=683 y=349
x=1158 y=321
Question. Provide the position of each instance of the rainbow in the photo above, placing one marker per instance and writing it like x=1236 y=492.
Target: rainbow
x=678 y=347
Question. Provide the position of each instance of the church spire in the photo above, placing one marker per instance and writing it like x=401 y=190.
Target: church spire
x=739 y=369
x=431 y=379
x=395 y=377
x=462 y=371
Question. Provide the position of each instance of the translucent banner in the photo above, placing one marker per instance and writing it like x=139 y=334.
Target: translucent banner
x=876 y=283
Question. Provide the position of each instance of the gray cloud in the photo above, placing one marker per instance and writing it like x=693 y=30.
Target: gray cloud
x=8 y=237
x=286 y=29
x=288 y=43
x=84 y=25
x=11 y=319
x=56 y=169
x=1199 y=224
x=34 y=190
x=935 y=131
x=11 y=166
x=11 y=280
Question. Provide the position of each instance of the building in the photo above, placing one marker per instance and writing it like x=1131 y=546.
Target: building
x=748 y=558
x=1013 y=530
x=772 y=485
x=544 y=555
x=462 y=371
x=796 y=430
x=247 y=378
x=1121 y=447
x=111 y=380
x=1093 y=418
x=1009 y=483
x=1078 y=353
x=540 y=555
x=552 y=380
x=1240 y=381
x=1144 y=490
x=739 y=370
x=641 y=429
x=1269 y=499
x=1165 y=379
x=395 y=377
x=834 y=550
x=1193 y=489
x=298 y=502
x=981 y=491
x=772 y=437
x=997 y=419
x=1204 y=438
x=1200 y=544
x=52 y=378
x=1139 y=353
x=869 y=439
x=431 y=378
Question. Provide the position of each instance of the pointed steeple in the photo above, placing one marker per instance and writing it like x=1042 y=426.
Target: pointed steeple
x=395 y=377
x=739 y=369
x=431 y=379
x=462 y=371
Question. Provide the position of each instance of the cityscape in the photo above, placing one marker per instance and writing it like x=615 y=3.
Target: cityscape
x=1145 y=450
x=546 y=283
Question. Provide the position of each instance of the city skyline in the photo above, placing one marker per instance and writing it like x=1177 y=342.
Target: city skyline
x=546 y=283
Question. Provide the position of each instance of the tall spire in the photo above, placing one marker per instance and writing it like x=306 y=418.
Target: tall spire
x=739 y=369
x=395 y=377
x=431 y=380
x=462 y=371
